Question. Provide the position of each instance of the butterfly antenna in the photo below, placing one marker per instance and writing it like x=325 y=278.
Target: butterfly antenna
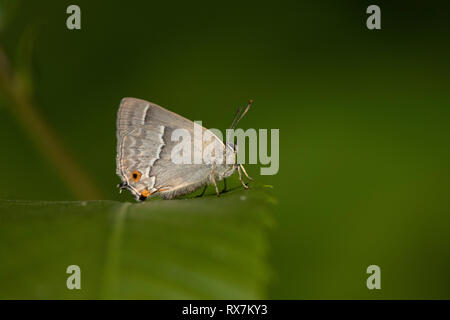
x=243 y=114
x=236 y=116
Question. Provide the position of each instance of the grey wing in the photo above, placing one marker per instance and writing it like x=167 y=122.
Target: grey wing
x=144 y=146
x=138 y=145
x=177 y=179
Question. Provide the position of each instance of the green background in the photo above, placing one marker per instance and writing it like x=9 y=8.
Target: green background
x=363 y=116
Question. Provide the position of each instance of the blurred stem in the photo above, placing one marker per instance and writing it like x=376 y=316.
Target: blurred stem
x=18 y=95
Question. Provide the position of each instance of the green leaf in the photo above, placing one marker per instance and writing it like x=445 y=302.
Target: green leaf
x=198 y=248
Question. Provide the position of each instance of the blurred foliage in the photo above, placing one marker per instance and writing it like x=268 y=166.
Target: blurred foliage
x=208 y=248
x=363 y=117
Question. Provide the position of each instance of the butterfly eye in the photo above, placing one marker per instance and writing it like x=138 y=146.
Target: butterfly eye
x=136 y=176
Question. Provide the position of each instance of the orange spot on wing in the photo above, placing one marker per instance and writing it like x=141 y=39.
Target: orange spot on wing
x=136 y=176
x=145 y=193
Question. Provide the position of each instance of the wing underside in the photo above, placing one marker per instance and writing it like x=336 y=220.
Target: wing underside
x=144 y=149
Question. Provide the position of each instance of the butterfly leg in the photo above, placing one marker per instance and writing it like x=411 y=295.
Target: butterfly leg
x=245 y=172
x=215 y=185
x=203 y=192
x=240 y=178
x=224 y=185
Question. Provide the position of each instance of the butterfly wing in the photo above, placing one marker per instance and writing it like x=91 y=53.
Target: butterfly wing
x=144 y=149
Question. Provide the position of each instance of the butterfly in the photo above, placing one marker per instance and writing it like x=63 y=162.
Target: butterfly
x=144 y=153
